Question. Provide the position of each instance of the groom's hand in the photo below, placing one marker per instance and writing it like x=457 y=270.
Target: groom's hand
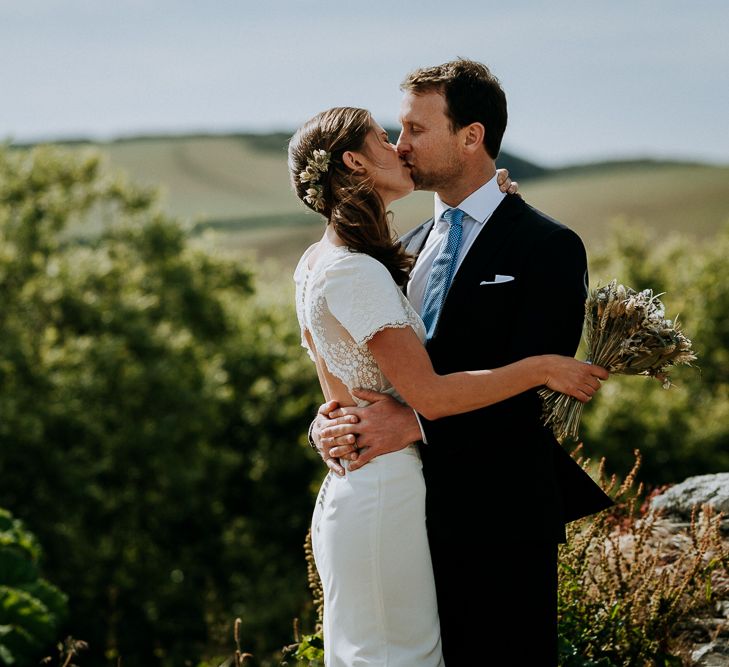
x=384 y=426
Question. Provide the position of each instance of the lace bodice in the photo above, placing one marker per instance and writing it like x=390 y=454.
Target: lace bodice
x=343 y=301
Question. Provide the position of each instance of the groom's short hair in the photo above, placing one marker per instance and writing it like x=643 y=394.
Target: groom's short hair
x=472 y=94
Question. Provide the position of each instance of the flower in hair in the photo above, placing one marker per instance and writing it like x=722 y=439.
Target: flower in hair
x=308 y=175
x=317 y=165
x=315 y=196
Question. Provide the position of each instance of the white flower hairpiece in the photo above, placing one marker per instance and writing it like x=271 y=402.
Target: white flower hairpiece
x=317 y=165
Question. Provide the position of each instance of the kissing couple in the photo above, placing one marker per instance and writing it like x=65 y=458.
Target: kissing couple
x=435 y=531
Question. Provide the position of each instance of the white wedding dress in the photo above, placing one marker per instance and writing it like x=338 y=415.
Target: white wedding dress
x=368 y=527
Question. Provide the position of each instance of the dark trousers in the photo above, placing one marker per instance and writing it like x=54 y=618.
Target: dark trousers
x=513 y=585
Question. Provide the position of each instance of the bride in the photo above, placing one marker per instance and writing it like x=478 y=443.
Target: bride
x=368 y=528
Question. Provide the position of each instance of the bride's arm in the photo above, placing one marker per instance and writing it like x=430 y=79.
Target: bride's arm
x=386 y=425
x=404 y=361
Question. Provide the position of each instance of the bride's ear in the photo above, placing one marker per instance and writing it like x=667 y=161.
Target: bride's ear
x=353 y=162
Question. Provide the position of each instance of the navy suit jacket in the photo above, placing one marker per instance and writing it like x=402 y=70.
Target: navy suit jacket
x=499 y=467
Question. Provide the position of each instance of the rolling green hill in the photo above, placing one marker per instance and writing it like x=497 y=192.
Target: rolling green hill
x=238 y=185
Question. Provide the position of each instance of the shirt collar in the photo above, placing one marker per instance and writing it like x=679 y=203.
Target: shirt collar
x=478 y=206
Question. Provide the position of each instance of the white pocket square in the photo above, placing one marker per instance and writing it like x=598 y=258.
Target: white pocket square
x=498 y=278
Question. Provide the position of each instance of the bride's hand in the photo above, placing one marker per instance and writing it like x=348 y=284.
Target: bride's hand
x=575 y=378
x=505 y=183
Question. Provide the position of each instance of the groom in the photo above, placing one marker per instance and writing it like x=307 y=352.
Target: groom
x=500 y=489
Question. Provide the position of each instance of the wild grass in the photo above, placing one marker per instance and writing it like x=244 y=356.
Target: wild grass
x=630 y=581
x=67 y=650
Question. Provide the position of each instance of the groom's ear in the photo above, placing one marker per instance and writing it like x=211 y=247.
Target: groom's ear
x=473 y=136
x=353 y=163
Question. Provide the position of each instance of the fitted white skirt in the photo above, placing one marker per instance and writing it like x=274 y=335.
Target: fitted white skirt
x=371 y=550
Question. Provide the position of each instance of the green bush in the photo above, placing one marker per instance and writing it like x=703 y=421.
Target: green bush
x=153 y=419
x=31 y=609
x=685 y=430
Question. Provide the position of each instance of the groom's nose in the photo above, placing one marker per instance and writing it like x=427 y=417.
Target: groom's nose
x=403 y=147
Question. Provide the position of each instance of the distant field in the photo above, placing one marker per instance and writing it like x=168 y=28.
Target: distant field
x=238 y=186
x=687 y=198
x=209 y=177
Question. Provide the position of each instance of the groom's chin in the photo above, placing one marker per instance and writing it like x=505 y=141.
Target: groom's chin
x=421 y=182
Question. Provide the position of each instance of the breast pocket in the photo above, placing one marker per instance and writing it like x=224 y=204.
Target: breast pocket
x=497 y=301
x=497 y=279
x=497 y=288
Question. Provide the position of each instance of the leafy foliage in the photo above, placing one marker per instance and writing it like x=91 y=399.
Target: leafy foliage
x=153 y=418
x=683 y=431
x=310 y=650
x=31 y=609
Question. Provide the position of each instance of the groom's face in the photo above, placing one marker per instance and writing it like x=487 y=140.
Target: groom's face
x=427 y=142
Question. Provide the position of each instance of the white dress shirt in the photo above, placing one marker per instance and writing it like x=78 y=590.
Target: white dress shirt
x=477 y=208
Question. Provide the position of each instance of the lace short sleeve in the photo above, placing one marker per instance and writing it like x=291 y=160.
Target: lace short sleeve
x=363 y=297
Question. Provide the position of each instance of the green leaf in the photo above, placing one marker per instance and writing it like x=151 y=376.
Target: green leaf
x=6 y=656
x=22 y=610
x=15 y=568
x=53 y=598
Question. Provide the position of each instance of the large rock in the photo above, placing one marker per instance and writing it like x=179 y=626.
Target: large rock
x=708 y=634
x=700 y=490
x=715 y=654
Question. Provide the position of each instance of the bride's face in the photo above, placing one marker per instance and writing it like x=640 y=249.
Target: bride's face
x=381 y=162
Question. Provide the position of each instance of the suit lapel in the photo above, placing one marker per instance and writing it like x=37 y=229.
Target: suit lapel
x=414 y=240
x=500 y=227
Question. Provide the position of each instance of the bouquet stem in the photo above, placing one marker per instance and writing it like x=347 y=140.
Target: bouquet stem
x=561 y=413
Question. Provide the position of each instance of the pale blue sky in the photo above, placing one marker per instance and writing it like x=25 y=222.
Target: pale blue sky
x=584 y=80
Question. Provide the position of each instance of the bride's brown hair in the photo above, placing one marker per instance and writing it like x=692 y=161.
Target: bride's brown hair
x=349 y=202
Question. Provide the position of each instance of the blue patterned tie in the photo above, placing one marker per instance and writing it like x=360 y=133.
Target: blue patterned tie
x=443 y=269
